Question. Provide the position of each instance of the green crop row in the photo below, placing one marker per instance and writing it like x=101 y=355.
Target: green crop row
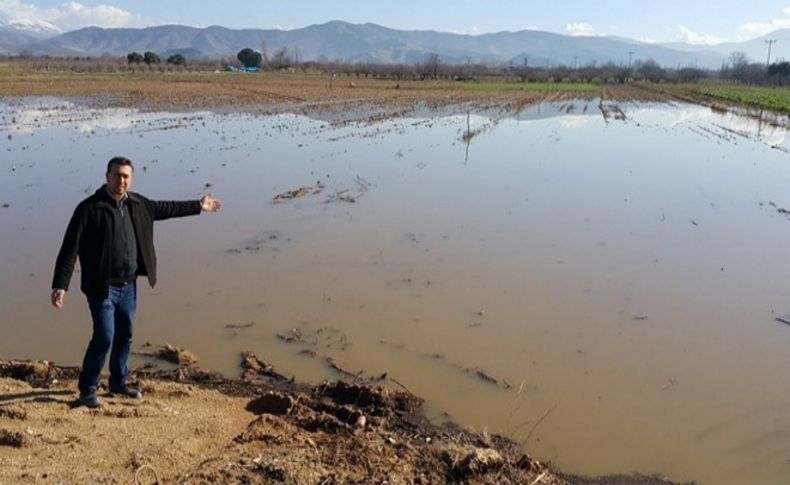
x=775 y=99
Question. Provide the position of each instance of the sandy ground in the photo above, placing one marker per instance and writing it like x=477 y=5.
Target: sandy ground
x=194 y=426
x=43 y=438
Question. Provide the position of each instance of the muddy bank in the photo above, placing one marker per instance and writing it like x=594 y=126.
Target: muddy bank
x=194 y=426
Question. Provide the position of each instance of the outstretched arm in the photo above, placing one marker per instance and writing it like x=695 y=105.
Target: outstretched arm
x=165 y=209
x=210 y=204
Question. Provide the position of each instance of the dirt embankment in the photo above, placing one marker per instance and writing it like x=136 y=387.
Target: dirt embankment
x=194 y=426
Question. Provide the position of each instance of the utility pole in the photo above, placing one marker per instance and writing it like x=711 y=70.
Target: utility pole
x=769 y=42
x=630 y=53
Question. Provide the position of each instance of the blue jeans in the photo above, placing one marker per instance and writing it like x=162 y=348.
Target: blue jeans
x=113 y=318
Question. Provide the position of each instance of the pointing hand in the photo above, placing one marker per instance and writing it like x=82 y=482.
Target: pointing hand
x=210 y=204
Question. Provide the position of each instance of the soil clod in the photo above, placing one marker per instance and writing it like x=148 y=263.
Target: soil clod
x=253 y=366
x=478 y=461
x=336 y=432
x=271 y=403
x=172 y=354
x=14 y=439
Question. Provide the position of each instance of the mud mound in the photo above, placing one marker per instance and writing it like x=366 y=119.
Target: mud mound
x=185 y=431
x=36 y=372
x=349 y=433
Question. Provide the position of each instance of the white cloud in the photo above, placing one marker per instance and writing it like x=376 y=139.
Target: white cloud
x=72 y=15
x=689 y=36
x=751 y=30
x=471 y=30
x=579 y=28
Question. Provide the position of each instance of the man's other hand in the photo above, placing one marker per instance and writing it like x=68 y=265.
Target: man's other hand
x=57 y=297
x=210 y=204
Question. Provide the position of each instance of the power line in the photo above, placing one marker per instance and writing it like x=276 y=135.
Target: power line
x=770 y=42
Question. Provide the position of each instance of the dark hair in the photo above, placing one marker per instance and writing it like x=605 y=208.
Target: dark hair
x=122 y=161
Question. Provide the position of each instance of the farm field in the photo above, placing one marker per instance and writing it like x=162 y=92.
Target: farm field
x=585 y=270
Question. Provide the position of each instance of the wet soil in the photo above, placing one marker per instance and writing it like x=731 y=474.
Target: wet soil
x=195 y=426
x=276 y=93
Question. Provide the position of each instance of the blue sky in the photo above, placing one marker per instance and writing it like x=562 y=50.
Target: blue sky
x=695 y=21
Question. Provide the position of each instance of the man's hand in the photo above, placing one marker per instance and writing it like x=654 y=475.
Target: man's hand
x=57 y=297
x=210 y=204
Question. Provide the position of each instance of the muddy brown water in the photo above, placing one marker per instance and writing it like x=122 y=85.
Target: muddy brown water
x=627 y=271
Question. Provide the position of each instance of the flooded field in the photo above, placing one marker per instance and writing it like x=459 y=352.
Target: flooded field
x=599 y=282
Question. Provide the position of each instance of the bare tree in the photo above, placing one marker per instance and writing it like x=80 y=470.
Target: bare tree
x=264 y=53
x=738 y=59
x=742 y=71
x=650 y=70
x=281 y=59
x=430 y=68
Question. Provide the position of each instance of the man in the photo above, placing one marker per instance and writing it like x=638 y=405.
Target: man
x=112 y=234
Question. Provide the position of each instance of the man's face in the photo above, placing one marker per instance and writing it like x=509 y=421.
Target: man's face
x=119 y=179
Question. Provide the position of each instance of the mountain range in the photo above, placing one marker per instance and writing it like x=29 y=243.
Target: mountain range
x=369 y=42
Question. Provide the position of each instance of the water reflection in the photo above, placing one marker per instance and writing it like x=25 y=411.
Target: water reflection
x=626 y=270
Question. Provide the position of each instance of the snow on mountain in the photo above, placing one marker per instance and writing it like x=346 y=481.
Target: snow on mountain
x=35 y=27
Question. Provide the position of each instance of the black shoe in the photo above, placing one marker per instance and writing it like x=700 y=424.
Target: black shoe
x=127 y=391
x=90 y=399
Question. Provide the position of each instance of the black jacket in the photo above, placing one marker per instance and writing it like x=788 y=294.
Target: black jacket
x=90 y=232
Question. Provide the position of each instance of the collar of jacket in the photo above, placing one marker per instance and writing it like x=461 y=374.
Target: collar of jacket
x=103 y=195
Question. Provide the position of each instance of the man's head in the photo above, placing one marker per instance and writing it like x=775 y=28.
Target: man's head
x=119 y=176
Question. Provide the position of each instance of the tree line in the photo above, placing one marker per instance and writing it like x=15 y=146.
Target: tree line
x=152 y=58
x=735 y=69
